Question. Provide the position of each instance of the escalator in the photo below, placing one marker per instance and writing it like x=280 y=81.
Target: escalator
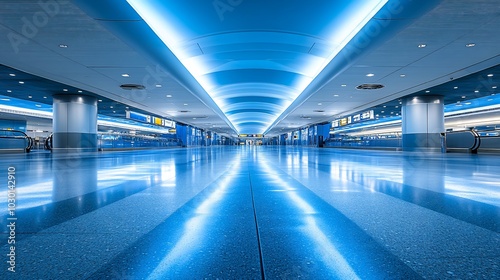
x=468 y=141
x=15 y=141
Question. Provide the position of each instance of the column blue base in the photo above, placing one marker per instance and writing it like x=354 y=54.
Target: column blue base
x=428 y=142
x=74 y=142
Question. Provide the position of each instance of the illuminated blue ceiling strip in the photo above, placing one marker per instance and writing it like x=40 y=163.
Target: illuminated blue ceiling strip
x=221 y=57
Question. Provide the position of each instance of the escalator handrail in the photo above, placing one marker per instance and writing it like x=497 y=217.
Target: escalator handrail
x=477 y=141
x=24 y=135
x=48 y=142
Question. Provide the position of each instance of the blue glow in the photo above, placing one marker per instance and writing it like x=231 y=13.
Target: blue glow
x=222 y=55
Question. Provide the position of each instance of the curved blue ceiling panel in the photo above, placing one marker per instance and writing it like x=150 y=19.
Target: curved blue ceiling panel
x=255 y=63
x=252 y=76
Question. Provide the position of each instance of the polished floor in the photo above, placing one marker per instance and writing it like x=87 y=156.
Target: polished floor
x=253 y=213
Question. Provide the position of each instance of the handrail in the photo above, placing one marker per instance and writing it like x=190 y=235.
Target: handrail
x=23 y=135
x=48 y=142
x=477 y=142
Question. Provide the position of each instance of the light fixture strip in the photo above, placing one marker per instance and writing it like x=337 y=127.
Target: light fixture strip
x=170 y=37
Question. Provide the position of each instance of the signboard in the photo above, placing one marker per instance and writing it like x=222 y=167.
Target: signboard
x=251 y=135
x=169 y=123
x=138 y=117
x=157 y=121
x=368 y=115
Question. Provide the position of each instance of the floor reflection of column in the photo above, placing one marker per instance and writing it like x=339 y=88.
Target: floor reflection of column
x=73 y=175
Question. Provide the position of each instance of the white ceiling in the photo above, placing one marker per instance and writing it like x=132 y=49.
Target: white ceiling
x=95 y=59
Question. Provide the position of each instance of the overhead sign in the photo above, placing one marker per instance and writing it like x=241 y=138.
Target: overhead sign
x=251 y=135
x=368 y=115
x=138 y=117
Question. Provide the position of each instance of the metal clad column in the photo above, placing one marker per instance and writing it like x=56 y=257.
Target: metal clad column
x=74 y=123
x=423 y=123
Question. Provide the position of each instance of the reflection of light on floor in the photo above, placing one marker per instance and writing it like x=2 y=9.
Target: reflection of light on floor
x=329 y=253
x=195 y=227
x=31 y=196
x=326 y=249
x=481 y=191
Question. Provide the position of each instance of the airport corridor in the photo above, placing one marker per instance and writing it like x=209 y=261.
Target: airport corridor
x=253 y=212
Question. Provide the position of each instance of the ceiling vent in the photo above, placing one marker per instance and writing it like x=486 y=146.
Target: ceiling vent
x=132 y=87
x=369 y=86
x=184 y=111
x=318 y=111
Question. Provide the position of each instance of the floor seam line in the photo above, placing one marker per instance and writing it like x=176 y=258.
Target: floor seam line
x=263 y=275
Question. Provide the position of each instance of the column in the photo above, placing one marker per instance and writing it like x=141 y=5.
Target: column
x=74 y=123
x=423 y=123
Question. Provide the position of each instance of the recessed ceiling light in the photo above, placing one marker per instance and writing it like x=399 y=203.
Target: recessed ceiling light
x=382 y=111
x=21 y=82
x=397 y=106
x=427 y=91
x=125 y=75
x=63 y=46
x=45 y=97
x=402 y=75
x=65 y=89
x=169 y=95
x=126 y=107
x=158 y=85
x=319 y=104
x=344 y=85
x=422 y=45
x=114 y=111
x=38 y=105
x=467 y=103
x=336 y=95
x=470 y=45
x=490 y=75
x=463 y=96
x=385 y=106
x=29 y=96
x=111 y=107
x=100 y=100
x=9 y=90
x=455 y=87
x=12 y=74
x=80 y=91
x=185 y=104
x=476 y=91
x=370 y=75
x=494 y=87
